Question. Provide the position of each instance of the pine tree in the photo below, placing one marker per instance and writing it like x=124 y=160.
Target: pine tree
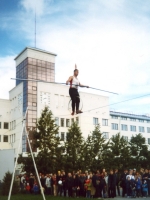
x=139 y=152
x=47 y=142
x=120 y=152
x=99 y=146
x=6 y=184
x=73 y=146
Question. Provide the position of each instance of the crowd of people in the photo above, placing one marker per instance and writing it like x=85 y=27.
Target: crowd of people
x=128 y=184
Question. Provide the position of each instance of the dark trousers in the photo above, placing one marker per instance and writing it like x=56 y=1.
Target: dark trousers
x=138 y=192
x=123 y=191
x=118 y=189
x=60 y=190
x=111 y=191
x=48 y=190
x=75 y=98
x=69 y=192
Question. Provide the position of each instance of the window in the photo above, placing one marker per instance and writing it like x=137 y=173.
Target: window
x=148 y=121
x=0 y=138
x=114 y=126
x=67 y=122
x=95 y=121
x=105 y=135
x=0 y=125
x=6 y=125
x=72 y=120
x=141 y=120
x=62 y=122
x=5 y=138
x=133 y=128
x=141 y=129
x=105 y=122
x=132 y=119
x=125 y=138
x=77 y=120
x=14 y=138
x=57 y=121
x=124 y=118
x=14 y=124
x=148 y=129
x=148 y=140
x=62 y=136
x=124 y=127
x=114 y=117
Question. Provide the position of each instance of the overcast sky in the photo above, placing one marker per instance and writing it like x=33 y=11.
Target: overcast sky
x=109 y=40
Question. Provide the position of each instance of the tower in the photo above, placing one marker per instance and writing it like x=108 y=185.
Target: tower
x=33 y=63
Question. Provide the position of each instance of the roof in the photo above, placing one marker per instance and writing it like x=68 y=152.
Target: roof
x=129 y=115
x=35 y=49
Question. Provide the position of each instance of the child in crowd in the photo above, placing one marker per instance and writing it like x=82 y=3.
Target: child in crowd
x=27 y=188
x=36 y=189
x=144 y=188
x=138 y=186
x=87 y=185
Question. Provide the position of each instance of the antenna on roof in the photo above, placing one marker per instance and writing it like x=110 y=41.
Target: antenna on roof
x=35 y=25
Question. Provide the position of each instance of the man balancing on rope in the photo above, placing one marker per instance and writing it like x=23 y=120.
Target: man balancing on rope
x=73 y=91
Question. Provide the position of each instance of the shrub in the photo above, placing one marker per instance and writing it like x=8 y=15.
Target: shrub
x=6 y=184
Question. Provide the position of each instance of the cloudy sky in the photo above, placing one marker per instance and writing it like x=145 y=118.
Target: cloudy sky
x=108 y=39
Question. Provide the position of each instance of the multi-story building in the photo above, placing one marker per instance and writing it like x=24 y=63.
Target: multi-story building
x=130 y=124
x=39 y=65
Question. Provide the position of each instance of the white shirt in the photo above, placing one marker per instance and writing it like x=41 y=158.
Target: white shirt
x=74 y=82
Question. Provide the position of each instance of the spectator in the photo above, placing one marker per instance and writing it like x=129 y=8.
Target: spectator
x=31 y=182
x=123 y=182
x=48 y=184
x=144 y=188
x=54 y=184
x=88 y=184
x=42 y=179
x=60 y=187
x=69 y=184
x=117 y=182
x=111 y=184
x=138 y=185
x=27 y=188
x=35 y=188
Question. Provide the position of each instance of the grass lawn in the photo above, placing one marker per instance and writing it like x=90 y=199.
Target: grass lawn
x=34 y=197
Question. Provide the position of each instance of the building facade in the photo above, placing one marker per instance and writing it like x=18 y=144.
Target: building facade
x=35 y=95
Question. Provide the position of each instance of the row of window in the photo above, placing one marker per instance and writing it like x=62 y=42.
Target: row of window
x=66 y=122
x=13 y=125
x=131 y=119
x=63 y=136
x=126 y=138
x=5 y=138
x=133 y=128
x=96 y=121
x=4 y=125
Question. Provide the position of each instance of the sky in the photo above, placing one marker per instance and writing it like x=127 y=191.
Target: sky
x=109 y=40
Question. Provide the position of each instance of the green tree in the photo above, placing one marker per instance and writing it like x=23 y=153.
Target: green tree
x=139 y=152
x=93 y=150
x=47 y=142
x=120 y=152
x=73 y=146
x=6 y=185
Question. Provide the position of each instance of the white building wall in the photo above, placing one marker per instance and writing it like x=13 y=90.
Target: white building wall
x=16 y=116
x=57 y=98
x=6 y=161
x=4 y=118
